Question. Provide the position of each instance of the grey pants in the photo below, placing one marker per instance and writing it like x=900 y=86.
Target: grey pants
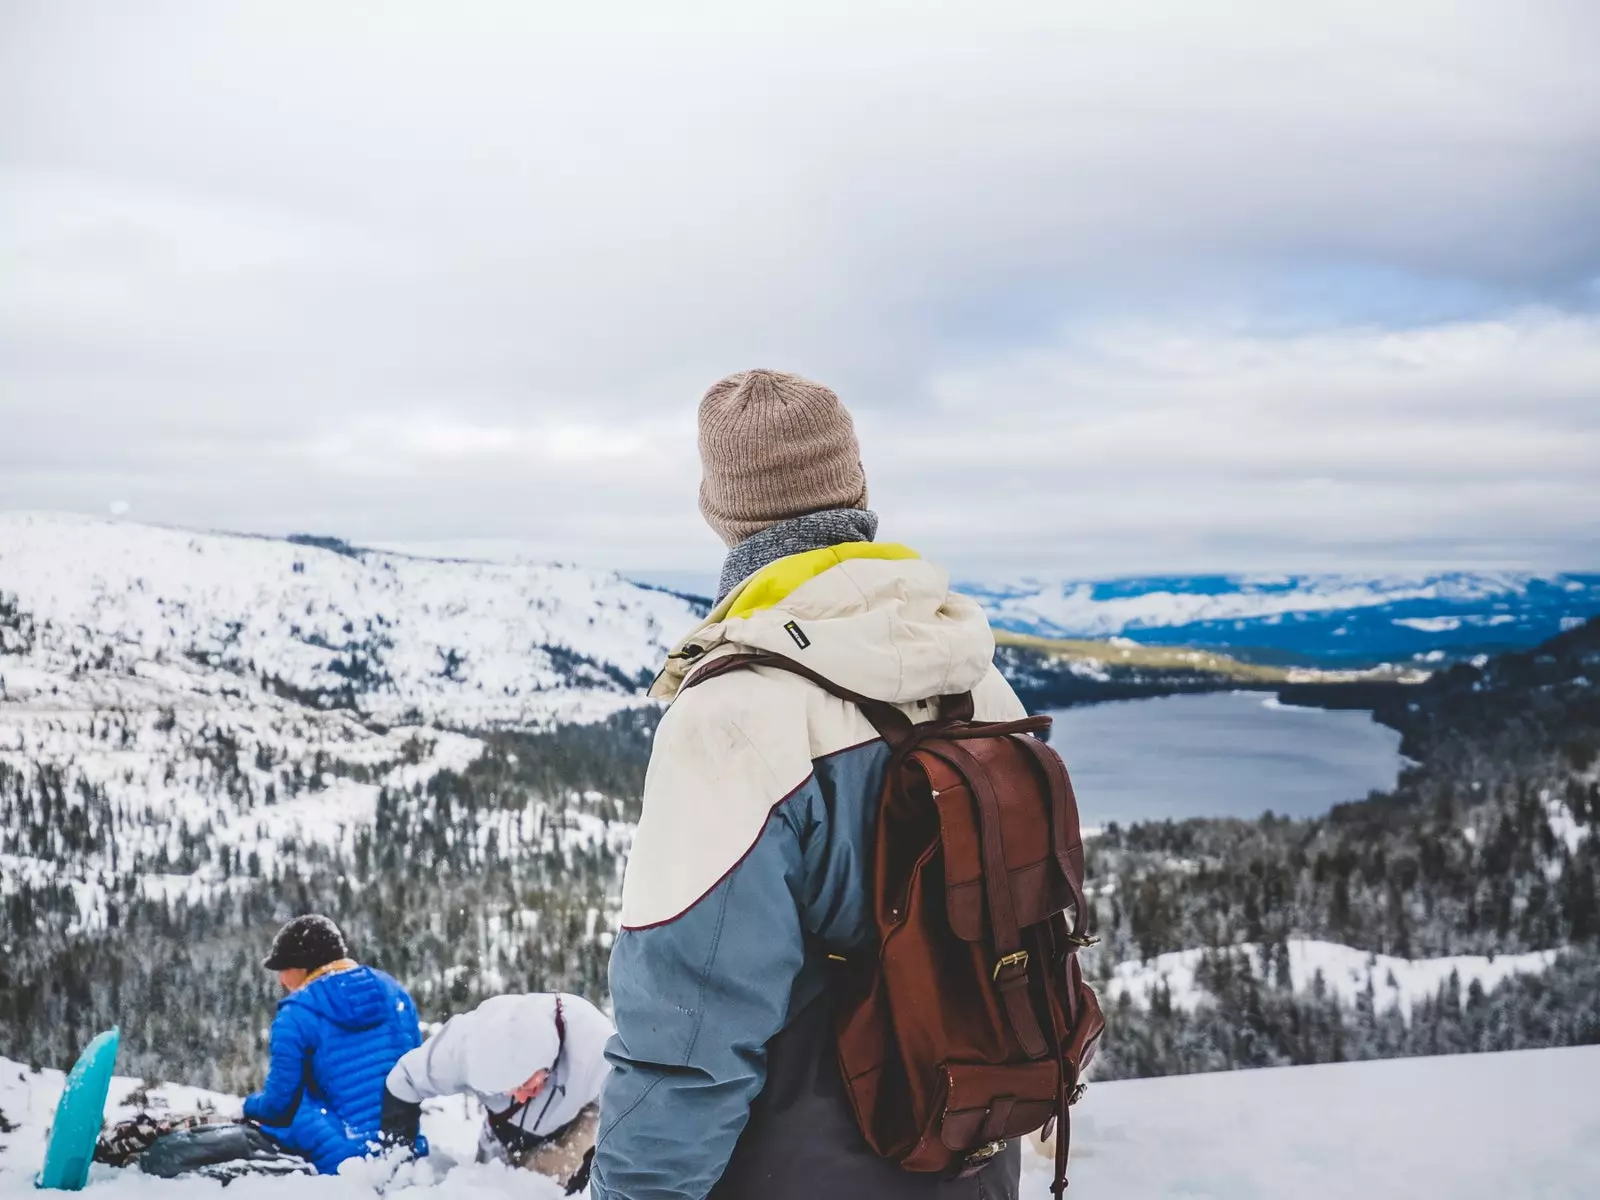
x=802 y=1141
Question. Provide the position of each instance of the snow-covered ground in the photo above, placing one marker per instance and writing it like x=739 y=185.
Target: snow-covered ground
x=28 y=1099
x=1496 y=1126
x=1516 y=1126
x=1346 y=973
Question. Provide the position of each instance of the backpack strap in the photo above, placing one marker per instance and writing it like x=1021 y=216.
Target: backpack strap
x=1060 y=1121
x=892 y=724
x=1063 y=1141
x=1062 y=803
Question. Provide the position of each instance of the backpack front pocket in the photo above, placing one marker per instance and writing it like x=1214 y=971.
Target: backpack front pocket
x=984 y=1104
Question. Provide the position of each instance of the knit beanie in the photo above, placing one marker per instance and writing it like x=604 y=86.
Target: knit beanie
x=773 y=447
x=306 y=942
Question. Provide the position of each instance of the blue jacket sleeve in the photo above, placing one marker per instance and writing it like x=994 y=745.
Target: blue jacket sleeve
x=410 y=1024
x=275 y=1103
x=696 y=1000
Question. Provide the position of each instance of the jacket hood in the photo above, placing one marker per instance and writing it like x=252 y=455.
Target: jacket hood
x=872 y=617
x=509 y=1039
x=354 y=999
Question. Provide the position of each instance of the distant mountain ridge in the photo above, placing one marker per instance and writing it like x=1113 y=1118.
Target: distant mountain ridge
x=389 y=637
x=1330 y=619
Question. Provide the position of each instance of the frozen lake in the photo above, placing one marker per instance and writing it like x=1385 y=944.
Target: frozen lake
x=1226 y=754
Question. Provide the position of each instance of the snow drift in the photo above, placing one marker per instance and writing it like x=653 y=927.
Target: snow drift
x=1468 y=1126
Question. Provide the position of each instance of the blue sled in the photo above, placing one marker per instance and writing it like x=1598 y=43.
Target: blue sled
x=79 y=1115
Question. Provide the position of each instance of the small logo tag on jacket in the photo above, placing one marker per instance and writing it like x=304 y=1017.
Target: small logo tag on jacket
x=793 y=629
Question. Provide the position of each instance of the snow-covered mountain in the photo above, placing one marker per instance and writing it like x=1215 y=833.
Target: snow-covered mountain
x=178 y=706
x=396 y=639
x=1467 y=1126
x=1332 y=618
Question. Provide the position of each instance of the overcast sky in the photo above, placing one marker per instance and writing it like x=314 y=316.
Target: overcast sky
x=1110 y=287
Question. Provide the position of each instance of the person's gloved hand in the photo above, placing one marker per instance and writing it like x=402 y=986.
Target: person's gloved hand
x=401 y=1121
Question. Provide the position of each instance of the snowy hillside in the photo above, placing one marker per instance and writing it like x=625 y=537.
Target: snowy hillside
x=397 y=639
x=1317 y=617
x=1468 y=1126
x=187 y=717
x=1344 y=972
x=250 y=688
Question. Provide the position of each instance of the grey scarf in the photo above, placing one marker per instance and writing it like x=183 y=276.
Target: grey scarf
x=814 y=531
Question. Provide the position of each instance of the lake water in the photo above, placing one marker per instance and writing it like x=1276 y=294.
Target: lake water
x=1226 y=754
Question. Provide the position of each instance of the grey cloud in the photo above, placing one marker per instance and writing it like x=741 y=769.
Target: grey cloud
x=405 y=271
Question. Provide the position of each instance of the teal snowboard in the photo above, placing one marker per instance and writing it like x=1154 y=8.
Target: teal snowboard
x=79 y=1115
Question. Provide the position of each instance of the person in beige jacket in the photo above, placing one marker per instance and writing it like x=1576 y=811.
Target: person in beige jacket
x=760 y=804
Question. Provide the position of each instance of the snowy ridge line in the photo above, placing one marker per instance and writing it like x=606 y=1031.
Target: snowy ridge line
x=1385 y=618
x=392 y=637
x=1088 y=608
x=1345 y=973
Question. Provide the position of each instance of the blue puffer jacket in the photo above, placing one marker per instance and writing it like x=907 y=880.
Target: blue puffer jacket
x=333 y=1043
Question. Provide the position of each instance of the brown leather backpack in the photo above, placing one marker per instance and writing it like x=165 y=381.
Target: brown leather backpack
x=972 y=1024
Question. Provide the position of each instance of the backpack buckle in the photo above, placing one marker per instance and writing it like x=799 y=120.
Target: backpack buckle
x=1017 y=958
x=981 y=1157
x=1083 y=940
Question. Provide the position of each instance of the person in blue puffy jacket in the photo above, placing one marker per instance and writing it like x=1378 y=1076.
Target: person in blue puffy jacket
x=337 y=1035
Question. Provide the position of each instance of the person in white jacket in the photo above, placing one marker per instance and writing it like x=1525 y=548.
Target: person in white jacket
x=536 y=1062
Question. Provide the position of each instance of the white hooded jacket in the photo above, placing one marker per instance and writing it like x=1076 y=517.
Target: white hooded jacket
x=498 y=1046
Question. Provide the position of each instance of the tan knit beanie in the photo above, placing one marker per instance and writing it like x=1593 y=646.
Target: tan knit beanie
x=774 y=446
